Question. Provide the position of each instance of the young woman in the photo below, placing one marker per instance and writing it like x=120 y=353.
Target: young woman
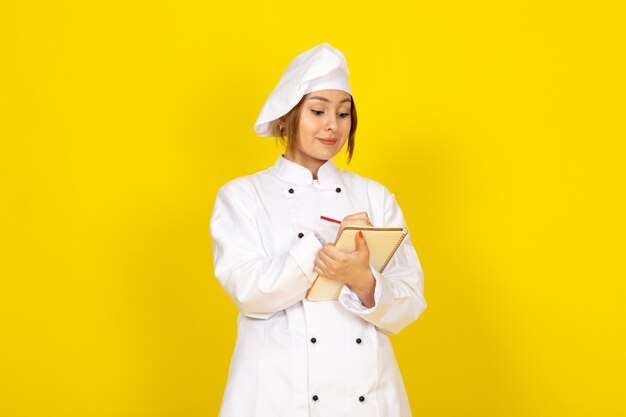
x=294 y=357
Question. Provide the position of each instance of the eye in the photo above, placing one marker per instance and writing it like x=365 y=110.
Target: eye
x=317 y=112
x=344 y=115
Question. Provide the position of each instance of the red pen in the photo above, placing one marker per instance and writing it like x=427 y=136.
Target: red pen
x=328 y=219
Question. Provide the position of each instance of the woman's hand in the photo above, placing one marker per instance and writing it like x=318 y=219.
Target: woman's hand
x=356 y=219
x=351 y=268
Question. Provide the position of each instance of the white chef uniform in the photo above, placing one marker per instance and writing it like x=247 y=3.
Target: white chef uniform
x=295 y=358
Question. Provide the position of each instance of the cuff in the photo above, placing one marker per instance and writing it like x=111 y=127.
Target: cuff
x=304 y=253
x=352 y=302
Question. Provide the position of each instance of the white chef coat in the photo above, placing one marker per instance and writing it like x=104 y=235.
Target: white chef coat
x=296 y=358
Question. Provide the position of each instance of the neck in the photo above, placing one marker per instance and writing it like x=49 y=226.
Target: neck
x=311 y=164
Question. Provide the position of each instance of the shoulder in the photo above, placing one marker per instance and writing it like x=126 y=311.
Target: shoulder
x=243 y=186
x=236 y=185
x=240 y=194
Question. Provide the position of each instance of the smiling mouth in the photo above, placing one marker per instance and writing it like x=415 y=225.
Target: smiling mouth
x=329 y=141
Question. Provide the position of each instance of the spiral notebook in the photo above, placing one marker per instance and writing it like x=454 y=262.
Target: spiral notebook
x=382 y=243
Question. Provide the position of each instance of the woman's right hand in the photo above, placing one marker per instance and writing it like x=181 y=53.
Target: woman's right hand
x=356 y=219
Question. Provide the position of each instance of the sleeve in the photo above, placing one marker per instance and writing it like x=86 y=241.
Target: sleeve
x=399 y=291
x=260 y=285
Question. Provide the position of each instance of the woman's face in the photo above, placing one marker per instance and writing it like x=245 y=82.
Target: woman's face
x=324 y=127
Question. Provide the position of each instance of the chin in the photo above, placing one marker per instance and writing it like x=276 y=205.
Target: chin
x=325 y=156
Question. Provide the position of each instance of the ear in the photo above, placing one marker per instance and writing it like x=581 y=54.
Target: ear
x=281 y=124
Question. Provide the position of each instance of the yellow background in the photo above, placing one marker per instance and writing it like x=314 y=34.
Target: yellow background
x=499 y=126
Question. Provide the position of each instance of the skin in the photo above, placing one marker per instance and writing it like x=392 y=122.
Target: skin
x=323 y=130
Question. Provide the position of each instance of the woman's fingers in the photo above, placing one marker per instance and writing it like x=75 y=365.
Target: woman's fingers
x=329 y=262
x=324 y=257
x=359 y=219
x=362 y=216
x=320 y=266
x=356 y=219
x=333 y=262
x=332 y=252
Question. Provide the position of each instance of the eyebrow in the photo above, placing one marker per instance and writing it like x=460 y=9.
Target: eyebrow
x=327 y=100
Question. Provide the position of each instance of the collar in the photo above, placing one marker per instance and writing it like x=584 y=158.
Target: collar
x=328 y=174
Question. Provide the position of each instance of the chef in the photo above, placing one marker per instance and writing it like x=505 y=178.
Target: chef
x=293 y=357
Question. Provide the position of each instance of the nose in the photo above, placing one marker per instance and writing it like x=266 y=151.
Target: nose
x=331 y=123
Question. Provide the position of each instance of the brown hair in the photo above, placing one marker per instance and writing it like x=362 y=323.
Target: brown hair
x=288 y=134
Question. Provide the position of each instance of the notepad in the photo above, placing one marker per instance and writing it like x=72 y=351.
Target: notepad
x=382 y=242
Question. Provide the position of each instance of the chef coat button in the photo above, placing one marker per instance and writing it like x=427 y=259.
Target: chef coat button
x=291 y=191
x=313 y=340
x=315 y=398
x=300 y=235
x=338 y=189
x=361 y=398
x=358 y=341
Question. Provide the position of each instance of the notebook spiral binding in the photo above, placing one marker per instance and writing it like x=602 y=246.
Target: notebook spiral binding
x=395 y=248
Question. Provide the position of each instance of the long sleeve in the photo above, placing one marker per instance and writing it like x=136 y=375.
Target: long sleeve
x=260 y=285
x=399 y=291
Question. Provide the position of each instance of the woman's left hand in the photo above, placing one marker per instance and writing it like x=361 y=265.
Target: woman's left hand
x=351 y=268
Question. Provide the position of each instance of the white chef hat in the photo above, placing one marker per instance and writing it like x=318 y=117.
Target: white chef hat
x=320 y=68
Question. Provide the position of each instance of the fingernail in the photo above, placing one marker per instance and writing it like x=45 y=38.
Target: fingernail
x=360 y=233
